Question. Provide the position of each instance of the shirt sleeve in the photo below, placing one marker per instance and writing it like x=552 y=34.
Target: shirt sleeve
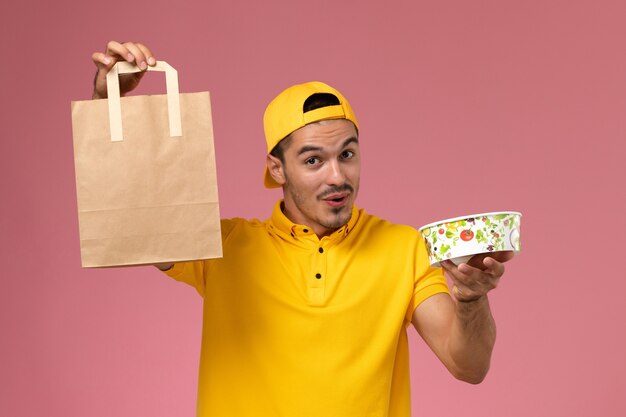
x=191 y=273
x=428 y=280
x=194 y=272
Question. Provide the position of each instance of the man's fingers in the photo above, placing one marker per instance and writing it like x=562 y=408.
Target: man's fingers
x=118 y=50
x=469 y=282
x=150 y=59
x=478 y=276
x=139 y=58
x=132 y=52
x=503 y=256
x=487 y=278
x=458 y=277
x=494 y=267
x=467 y=275
x=102 y=60
x=104 y=63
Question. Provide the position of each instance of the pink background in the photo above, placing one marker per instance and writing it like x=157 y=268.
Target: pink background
x=465 y=106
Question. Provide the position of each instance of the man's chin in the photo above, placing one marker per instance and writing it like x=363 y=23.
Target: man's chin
x=341 y=217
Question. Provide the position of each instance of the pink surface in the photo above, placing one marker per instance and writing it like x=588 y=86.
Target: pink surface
x=464 y=107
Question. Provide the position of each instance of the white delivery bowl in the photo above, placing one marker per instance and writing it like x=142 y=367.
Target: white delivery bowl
x=460 y=238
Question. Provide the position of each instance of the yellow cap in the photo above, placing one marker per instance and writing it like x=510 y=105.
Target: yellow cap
x=285 y=114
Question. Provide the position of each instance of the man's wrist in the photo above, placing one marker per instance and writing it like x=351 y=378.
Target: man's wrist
x=472 y=300
x=472 y=304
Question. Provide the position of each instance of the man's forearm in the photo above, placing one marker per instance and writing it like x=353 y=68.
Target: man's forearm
x=472 y=339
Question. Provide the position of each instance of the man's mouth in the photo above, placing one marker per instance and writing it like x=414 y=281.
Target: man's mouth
x=336 y=199
x=336 y=196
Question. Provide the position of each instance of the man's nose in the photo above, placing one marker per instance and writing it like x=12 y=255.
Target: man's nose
x=335 y=174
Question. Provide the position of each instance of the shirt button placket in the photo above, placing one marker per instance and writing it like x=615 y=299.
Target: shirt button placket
x=317 y=288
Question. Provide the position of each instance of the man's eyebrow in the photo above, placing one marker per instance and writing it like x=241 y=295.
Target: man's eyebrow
x=348 y=141
x=306 y=149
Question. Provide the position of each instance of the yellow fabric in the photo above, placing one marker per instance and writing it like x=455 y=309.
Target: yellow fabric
x=279 y=341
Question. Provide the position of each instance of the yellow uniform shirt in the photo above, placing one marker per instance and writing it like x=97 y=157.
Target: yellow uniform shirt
x=298 y=326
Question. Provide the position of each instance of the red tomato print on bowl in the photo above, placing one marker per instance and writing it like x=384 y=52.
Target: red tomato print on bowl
x=467 y=235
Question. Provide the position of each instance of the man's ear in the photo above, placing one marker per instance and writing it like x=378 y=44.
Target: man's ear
x=276 y=169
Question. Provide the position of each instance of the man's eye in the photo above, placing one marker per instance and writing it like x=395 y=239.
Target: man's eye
x=312 y=161
x=347 y=154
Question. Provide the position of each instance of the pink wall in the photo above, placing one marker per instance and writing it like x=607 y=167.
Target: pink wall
x=465 y=106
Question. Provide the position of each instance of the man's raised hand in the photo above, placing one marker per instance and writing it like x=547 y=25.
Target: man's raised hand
x=132 y=52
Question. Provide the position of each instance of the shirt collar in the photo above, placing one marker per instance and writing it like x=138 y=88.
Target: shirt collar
x=296 y=231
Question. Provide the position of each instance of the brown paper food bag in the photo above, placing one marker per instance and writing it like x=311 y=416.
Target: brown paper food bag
x=145 y=176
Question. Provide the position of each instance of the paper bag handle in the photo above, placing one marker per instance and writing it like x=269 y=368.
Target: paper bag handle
x=113 y=92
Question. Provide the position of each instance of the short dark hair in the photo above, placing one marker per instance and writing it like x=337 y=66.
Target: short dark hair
x=319 y=100
x=315 y=101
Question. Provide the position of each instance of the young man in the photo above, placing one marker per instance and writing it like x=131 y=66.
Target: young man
x=306 y=313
